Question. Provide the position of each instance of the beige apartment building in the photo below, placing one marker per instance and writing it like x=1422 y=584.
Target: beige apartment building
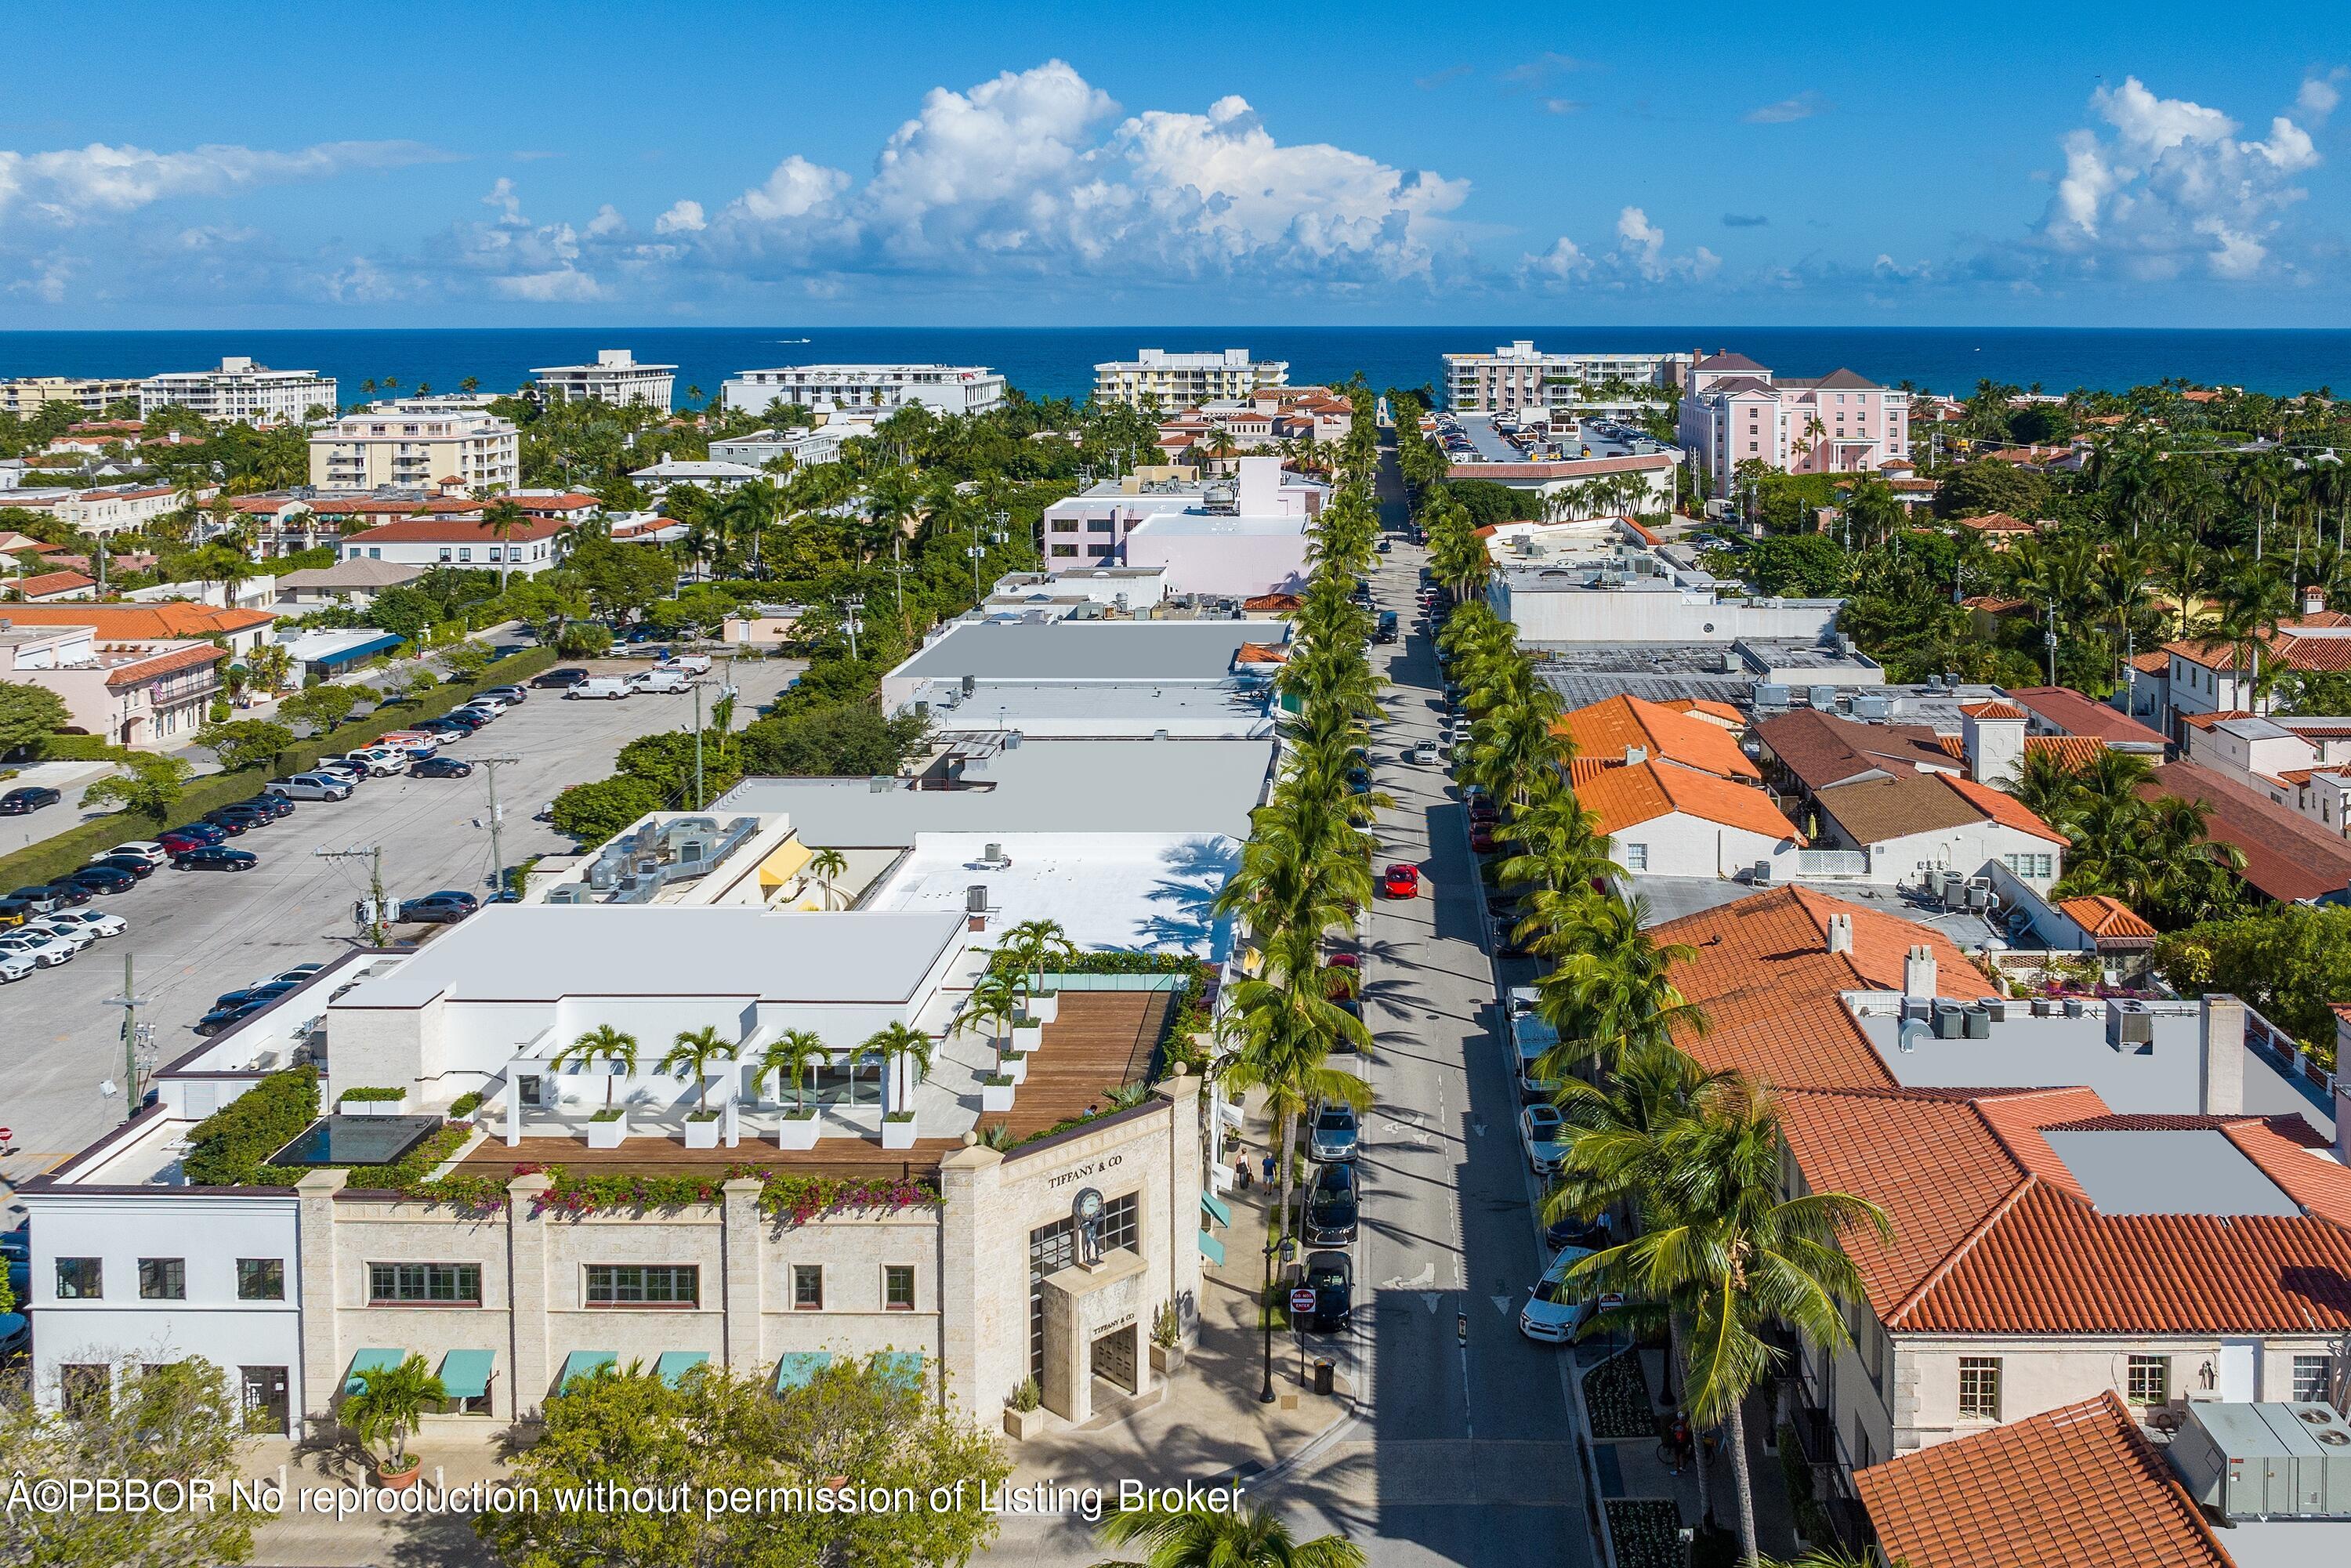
x=27 y=395
x=408 y=447
x=1186 y=381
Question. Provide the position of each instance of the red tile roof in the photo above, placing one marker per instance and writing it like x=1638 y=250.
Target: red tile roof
x=1624 y=797
x=2003 y=807
x=2102 y=916
x=1999 y=523
x=172 y=619
x=165 y=664
x=2072 y=752
x=1604 y=731
x=49 y=582
x=2287 y=856
x=1822 y=749
x=2283 y=645
x=2070 y=1487
x=456 y=530
x=1991 y=710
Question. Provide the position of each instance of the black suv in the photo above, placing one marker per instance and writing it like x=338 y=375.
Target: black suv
x=567 y=676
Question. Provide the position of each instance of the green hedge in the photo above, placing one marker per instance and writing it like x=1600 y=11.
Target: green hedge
x=53 y=857
x=229 y=1145
x=75 y=748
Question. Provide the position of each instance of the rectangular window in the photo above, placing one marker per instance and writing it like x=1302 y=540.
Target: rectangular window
x=1065 y=550
x=1637 y=857
x=80 y=1280
x=261 y=1279
x=1978 y=1388
x=807 y=1287
x=444 y=553
x=2310 y=1379
x=898 y=1287
x=428 y=1284
x=1053 y=1247
x=465 y=552
x=645 y=1284
x=1102 y=525
x=2148 y=1380
x=162 y=1280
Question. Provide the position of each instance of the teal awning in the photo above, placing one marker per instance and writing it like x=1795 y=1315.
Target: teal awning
x=370 y=1361
x=1215 y=1208
x=465 y=1374
x=675 y=1365
x=1211 y=1249
x=584 y=1363
x=798 y=1367
x=903 y=1367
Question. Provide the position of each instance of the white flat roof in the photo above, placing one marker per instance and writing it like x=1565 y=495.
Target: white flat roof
x=1089 y=650
x=539 y=952
x=1232 y=709
x=1147 y=892
x=1192 y=523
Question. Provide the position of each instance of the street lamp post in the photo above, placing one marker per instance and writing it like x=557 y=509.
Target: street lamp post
x=1265 y=1394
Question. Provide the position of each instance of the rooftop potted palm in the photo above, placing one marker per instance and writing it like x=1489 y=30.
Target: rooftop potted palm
x=791 y=1056
x=690 y=1058
x=902 y=1043
x=617 y=1050
x=994 y=1005
x=1034 y=943
x=386 y=1411
x=826 y=867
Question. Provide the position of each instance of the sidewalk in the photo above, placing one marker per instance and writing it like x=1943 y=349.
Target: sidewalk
x=1630 y=1469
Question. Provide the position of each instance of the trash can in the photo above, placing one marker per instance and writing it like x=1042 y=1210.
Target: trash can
x=1322 y=1374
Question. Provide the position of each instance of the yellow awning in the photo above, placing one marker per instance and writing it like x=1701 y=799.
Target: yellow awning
x=784 y=862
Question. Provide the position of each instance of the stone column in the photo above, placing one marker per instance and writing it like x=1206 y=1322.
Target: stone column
x=983 y=1277
x=317 y=1386
x=527 y=1287
x=1184 y=1221
x=746 y=1275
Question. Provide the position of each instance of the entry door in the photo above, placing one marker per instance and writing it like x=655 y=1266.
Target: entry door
x=263 y=1400
x=1114 y=1356
x=2240 y=1371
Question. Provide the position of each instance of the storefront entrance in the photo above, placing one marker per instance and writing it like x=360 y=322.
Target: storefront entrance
x=263 y=1400
x=1114 y=1357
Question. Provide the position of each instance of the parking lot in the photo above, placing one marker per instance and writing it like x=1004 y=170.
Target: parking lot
x=194 y=934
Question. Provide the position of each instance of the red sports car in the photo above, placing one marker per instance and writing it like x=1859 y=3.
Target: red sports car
x=1400 y=882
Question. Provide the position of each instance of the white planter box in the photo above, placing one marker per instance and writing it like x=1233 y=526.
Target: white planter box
x=702 y=1135
x=898 y=1134
x=608 y=1135
x=372 y=1107
x=996 y=1097
x=1029 y=1037
x=795 y=1134
x=1022 y=1425
x=1016 y=1068
x=1043 y=1008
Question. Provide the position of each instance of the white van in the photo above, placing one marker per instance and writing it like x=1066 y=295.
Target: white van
x=1531 y=1038
x=669 y=678
x=607 y=686
x=692 y=663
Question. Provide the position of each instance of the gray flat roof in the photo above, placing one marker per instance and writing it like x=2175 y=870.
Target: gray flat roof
x=537 y=952
x=1089 y=650
x=2192 y=1171
x=1042 y=786
x=1235 y=707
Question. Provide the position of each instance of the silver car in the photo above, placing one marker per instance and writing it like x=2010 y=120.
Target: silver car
x=1335 y=1133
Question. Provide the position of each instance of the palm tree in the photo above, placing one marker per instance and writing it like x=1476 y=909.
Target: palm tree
x=1725 y=1248
x=902 y=1040
x=390 y=1404
x=504 y=520
x=691 y=1057
x=1284 y=1026
x=1614 y=992
x=789 y=1056
x=994 y=1004
x=1252 y=1536
x=2255 y=602
x=1034 y=941
x=827 y=864
x=615 y=1048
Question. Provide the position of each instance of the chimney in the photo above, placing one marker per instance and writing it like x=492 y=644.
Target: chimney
x=1919 y=971
x=1840 y=932
x=1995 y=748
x=2314 y=599
x=2221 y=1069
x=1635 y=755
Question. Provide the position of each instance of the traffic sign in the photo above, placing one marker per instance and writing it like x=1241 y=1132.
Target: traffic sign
x=1610 y=1301
x=1302 y=1301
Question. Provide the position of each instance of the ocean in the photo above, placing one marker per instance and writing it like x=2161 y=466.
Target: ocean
x=1058 y=361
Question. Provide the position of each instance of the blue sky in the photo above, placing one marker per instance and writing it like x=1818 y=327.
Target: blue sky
x=1018 y=165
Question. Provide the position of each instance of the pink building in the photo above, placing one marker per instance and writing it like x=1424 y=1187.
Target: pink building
x=1736 y=412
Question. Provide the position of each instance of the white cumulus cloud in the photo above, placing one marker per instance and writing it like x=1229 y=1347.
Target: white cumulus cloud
x=77 y=184
x=683 y=218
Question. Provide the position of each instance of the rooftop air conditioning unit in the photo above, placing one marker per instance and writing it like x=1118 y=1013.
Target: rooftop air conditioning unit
x=993 y=854
x=975 y=899
x=2130 y=1025
x=878 y=784
x=970 y=684
x=2265 y=1462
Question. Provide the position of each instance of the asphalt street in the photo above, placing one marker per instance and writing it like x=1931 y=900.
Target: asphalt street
x=194 y=934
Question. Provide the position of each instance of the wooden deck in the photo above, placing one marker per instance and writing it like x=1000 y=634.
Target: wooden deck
x=1100 y=1040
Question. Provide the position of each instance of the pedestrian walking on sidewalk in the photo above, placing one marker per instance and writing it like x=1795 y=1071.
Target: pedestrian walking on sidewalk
x=1241 y=1173
x=1269 y=1171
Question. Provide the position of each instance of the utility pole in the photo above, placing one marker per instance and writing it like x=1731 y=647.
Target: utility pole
x=697 y=746
x=898 y=566
x=376 y=920
x=490 y=765
x=130 y=1001
x=852 y=605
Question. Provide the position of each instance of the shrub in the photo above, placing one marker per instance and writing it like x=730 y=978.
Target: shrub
x=373 y=1093
x=227 y=1148
x=466 y=1105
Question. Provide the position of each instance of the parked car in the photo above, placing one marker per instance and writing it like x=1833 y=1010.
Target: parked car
x=216 y=858
x=568 y=675
x=49 y=897
x=352 y=773
x=1333 y=1134
x=381 y=761
x=138 y=866
x=202 y=832
x=440 y=768
x=1539 y=1131
x=15 y=966
x=146 y=850
x=297 y=973
x=15 y=911
x=231 y=823
x=1331 y=1277
x=1400 y=882
x=268 y=990
x=441 y=908
x=661 y=680
x=102 y=879
x=272 y=806
x=1331 y=1207
x=96 y=922
x=1481 y=839
x=31 y=797
x=1557 y=1307
x=507 y=694
x=1385 y=629
x=487 y=701
x=45 y=951
x=1359 y=780
x=1592 y=1235
x=1421 y=752
x=411 y=743
x=603 y=687
x=225 y=1012
x=311 y=786
x=56 y=925
x=691 y=664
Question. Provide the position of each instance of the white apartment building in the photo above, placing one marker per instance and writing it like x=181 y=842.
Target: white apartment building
x=1518 y=375
x=1090 y=529
x=1735 y=411
x=106 y=509
x=944 y=389
x=806 y=449
x=464 y=541
x=240 y=390
x=1184 y=381
x=408 y=446
x=2303 y=763
x=27 y=395
x=615 y=378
